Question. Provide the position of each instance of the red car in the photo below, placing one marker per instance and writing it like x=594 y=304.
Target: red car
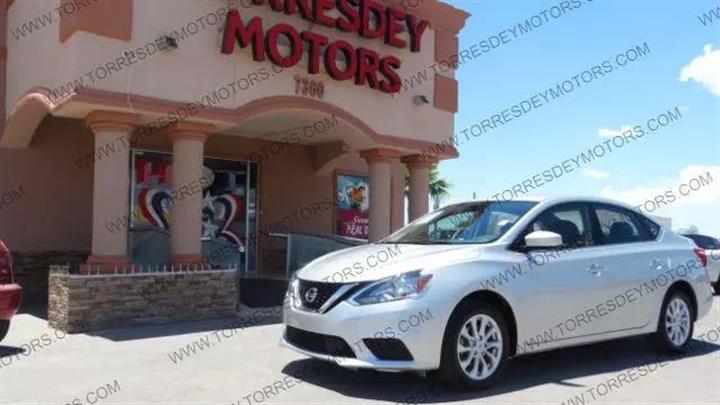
x=10 y=293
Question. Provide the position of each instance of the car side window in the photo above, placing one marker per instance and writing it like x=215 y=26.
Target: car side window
x=570 y=221
x=619 y=225
x=652 y=227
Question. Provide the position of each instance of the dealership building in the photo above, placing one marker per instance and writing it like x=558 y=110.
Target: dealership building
x=145 y=135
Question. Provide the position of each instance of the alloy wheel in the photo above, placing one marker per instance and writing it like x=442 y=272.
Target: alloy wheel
x=677 y=321
x=479 y=347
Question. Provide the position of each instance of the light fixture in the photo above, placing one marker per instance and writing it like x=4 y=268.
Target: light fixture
x=420 y=100
x=167 y=42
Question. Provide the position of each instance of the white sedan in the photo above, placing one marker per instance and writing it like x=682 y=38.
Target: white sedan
x=473 y=285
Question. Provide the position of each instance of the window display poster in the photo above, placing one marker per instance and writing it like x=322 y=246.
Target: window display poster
x=223 y=186
x=353 y=201
x=151 y=189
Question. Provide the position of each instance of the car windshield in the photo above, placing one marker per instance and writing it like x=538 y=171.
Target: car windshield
x=480 y=222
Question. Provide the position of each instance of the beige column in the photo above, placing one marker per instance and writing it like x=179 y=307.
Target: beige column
x=187 y=170
x=419 y=184
x=397 y=215
x=111 y=188
x=380 y=162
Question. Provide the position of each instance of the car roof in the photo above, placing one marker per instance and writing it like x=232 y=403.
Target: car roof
x=561 y=199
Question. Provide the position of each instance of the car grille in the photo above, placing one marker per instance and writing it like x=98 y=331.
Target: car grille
x=323 y=293
x=317 y=343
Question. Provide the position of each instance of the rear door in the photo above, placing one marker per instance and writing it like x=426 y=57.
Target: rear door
x=631 y=258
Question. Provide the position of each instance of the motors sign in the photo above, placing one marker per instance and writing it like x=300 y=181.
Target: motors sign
x=367 y=18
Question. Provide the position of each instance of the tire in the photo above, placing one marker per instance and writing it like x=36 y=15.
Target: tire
x=494 y=354
x=716 y=286
x=677 y=305
x=4 y=328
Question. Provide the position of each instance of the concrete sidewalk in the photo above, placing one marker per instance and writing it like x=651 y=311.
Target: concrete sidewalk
x=233 y=361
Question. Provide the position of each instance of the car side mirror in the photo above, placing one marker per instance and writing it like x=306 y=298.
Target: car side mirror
x=543 y=240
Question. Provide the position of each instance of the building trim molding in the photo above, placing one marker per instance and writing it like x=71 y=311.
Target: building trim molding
x=112 y=121
x=190 y=131
x=380 y=155
x=111 y=19
x=420 y=161
x=32 y=108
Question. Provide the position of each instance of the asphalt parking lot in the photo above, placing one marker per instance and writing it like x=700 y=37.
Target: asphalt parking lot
x=230 y=365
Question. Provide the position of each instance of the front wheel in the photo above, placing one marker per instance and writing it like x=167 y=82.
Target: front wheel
x=475 y=347
x=4 y=328
x=675 y=327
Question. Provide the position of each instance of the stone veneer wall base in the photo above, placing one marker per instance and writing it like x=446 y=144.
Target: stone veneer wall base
x=81 y=303
x=31 y=270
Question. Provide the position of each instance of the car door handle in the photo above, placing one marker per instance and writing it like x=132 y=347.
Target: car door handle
x=656 y=264
x=595 y=269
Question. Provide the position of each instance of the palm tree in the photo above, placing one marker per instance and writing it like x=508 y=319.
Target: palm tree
x=439 y=188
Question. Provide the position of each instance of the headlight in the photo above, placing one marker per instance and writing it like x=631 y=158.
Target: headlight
x=407 y=285
x=293 y=292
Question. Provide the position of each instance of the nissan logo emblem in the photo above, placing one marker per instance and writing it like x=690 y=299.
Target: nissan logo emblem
x=311 y=295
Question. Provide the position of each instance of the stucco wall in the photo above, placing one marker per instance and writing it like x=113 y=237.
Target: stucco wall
x=198 y=67
x=49 y=194
x=54 y=211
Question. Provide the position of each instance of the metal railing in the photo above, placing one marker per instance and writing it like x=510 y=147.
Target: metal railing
x=134 y=269
x=151 y=252
x=302 y=248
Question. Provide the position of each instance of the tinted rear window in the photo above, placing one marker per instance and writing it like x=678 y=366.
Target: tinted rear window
x=705 y=242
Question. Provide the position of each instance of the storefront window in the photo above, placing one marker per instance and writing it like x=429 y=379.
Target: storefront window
x=229 y=194
x=151 y=188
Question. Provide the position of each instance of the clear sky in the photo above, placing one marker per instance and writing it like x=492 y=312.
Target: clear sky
x=678 y=71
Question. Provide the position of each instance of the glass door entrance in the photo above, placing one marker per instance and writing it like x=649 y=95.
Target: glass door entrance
x=229 y=211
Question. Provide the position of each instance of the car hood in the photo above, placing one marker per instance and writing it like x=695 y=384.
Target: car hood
x=377 y=261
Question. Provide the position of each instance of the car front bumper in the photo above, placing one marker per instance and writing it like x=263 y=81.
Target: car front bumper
x=10 y=297
x=417 y=323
